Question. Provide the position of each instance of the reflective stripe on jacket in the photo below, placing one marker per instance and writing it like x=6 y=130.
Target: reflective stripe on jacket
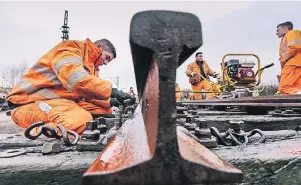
x=290 y=48
x=66 y=71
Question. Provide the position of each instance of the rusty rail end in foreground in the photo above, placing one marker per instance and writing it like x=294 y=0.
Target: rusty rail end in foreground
x=160 y=42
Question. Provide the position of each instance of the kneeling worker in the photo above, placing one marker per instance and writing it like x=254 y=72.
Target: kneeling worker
x=63 y=87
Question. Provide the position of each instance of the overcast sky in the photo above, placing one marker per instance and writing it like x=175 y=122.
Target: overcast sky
x=30 y=29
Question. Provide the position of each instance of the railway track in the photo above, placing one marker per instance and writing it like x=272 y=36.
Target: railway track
x=262 y=101
x=150 y=149
x=281 y=105
x=154 y=145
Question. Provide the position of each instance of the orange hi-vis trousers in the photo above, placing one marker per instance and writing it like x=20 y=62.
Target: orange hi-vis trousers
x=200 y=86
x=290 y=80
x=71 y=115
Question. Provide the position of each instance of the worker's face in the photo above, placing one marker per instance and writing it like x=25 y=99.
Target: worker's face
x=106 y=57
x=281 y=31
x=199 y=57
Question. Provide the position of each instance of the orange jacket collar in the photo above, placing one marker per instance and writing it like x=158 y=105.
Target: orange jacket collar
x=94 y=53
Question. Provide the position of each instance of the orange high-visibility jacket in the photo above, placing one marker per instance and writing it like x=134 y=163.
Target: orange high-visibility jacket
x=66 y=71
x=190 y=96
x=193 y=67
x=178 y=94
x=290 y=48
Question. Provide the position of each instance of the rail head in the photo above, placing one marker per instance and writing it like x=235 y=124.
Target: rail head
x=160 y=42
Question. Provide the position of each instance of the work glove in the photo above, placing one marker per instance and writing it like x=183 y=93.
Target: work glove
x=193 y=74
x=129 y=102
x=121 y=96
x=114 y=102
x=281 y=64
x=214 y=75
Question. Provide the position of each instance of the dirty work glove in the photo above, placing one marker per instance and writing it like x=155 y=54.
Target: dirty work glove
x=193 y=74
x=114 y=102
x=121 y=96
x=215 y=75
x=129 y=102
x=281 y=63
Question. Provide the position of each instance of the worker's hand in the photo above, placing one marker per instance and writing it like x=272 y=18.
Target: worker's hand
x=215 y=75
x=129 y=102
x=121 y=96
x=114 y=102
x=281 y=63
x=193 y=74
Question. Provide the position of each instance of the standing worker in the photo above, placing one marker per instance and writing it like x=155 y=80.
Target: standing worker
x=290 y=59
x=63 y=87
x=194 y=72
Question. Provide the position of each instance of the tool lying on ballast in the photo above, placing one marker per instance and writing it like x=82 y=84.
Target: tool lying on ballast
x=97 y=134
x=51 y=132
x=236 y=134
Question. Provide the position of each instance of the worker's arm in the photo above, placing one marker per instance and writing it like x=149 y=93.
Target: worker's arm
x=189 y=70
x=293 y=42
x=211 y=72
x=104 y=103
x=100 y=103
x=68 y=67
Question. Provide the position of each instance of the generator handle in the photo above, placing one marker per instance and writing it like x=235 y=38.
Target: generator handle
x=267 y=66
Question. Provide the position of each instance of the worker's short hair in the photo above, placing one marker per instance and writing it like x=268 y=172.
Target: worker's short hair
x=106 y=45
x=287 y=24
x=198 y=53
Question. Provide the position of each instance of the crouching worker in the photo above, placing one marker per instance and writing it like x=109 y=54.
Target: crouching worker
x=63 y=87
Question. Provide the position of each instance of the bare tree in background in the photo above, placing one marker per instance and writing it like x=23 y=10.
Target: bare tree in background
x=11 y=75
